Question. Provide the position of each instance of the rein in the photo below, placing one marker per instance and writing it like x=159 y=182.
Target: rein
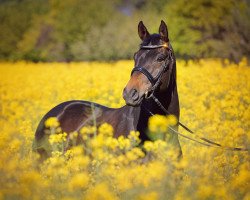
x=155 y=82
x=209 y=143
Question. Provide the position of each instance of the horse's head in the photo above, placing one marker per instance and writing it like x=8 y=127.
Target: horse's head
x=153 y=65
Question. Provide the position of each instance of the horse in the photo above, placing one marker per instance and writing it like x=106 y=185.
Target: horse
x=154 y=75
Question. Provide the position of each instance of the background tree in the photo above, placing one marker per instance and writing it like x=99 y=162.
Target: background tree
x=53 y=35
x=210 y=28
x=54 y=30
x=15 y=19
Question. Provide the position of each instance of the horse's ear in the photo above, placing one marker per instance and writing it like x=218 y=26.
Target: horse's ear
x=142 y=31
x=163 y=31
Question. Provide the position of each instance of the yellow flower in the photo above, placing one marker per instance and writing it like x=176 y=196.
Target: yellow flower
x=106 y=130
x=73 y=135
x=56 y=154
x=148 y=146
x=134 y=137
x=77 y=150
x=111 y=143
x=78 y=181
x=101 y=191
x=172 y=120
x=205 y=191
x=158 y=123
x=87 y=131
x=103 y=167
x=148 y=196
x=52 y=122
x=124 y=143
x=98 y=141
x=57 y=138
x=138 y=151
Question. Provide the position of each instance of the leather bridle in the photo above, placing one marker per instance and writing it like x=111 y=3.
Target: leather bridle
x=155 y=82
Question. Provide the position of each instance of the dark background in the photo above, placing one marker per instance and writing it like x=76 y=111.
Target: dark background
x=76 y=30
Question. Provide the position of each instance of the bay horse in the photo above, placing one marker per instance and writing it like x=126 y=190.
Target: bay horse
x=154 y=74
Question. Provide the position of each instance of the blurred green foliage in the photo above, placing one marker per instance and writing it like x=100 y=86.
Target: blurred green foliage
x=55 y=30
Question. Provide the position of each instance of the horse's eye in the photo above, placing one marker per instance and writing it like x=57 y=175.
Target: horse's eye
x=161 y=58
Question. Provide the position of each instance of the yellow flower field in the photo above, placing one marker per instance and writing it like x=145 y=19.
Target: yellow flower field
x=214 y=101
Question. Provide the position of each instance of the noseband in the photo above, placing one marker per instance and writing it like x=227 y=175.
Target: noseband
x=155 y=82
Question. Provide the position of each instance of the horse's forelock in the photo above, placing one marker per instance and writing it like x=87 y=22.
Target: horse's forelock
x=154 y=39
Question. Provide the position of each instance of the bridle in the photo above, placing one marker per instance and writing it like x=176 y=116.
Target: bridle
x=155 y=82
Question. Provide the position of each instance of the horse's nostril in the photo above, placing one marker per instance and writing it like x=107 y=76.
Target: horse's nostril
x=134 y=95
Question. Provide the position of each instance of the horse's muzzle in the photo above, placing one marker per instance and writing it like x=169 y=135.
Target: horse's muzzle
x=132 y=97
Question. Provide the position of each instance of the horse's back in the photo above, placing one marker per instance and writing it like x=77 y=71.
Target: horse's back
x=68 y=113
x=71 y=115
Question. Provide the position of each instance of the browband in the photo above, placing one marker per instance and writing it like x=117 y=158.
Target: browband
x=153 y=46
